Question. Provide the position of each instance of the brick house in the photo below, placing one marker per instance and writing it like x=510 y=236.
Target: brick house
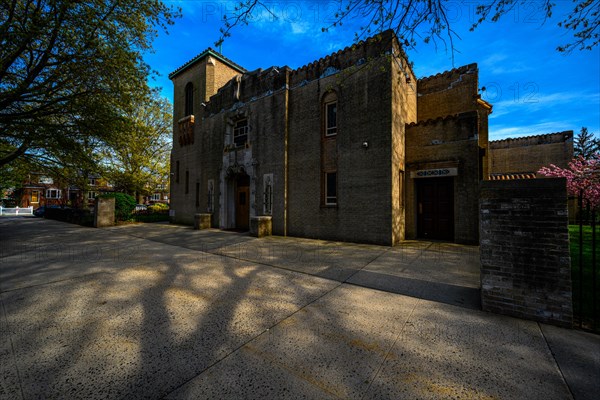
x=43 y=190
x=352 y=147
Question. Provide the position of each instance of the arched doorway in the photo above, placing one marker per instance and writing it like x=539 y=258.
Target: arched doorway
x=242 y=201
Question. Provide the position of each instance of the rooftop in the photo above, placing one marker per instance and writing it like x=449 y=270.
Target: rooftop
x=201 y=56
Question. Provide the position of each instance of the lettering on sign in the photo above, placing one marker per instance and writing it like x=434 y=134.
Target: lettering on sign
x=434 y=173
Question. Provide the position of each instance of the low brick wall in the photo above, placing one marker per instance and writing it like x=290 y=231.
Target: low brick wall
x=524 y=247
x=70 y=215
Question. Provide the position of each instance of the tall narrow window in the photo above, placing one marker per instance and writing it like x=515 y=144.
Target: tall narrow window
x=240 y=132
x=330 y=188
x=331 y=118
x=329 y=156
x=187 y=182
x=268 y=194
x=401 y=189
x=177 y=172
x=189 y=99
x=197 y=194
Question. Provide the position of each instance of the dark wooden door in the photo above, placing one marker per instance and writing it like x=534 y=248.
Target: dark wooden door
x=435 y=208
x=242 y=203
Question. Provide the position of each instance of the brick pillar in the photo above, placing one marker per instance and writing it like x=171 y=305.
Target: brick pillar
x=524 y=247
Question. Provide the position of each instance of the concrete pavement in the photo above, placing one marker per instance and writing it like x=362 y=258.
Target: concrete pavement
x=159 y=311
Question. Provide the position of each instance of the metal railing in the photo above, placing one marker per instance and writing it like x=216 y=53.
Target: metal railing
x=585 y=272
x=16 y=211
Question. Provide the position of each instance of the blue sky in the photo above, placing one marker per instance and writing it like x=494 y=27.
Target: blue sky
x=534 y=88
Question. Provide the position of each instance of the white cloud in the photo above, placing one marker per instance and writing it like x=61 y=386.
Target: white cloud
x=529 y=100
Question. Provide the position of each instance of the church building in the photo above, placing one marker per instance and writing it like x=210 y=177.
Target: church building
x=352 y=147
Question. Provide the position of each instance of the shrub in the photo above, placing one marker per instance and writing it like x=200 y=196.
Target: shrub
x=124 y=205
x=158 y=207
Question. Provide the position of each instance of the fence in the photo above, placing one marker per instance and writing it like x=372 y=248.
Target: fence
x=16 y=211
x=584 y=248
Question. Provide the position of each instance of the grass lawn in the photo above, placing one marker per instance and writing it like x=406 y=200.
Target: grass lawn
x=584 y=279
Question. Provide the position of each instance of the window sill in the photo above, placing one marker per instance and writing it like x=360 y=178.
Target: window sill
x=335 y=206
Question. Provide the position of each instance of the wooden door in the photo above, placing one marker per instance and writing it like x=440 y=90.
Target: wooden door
x=435 y=208
x=242 y=204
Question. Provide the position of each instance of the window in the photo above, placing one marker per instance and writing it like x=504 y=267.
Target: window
x=177 y=172
x=155 y=197
x=35 y=196
x=240 y=132
x=91 y=195
x=92 y=181
x=401 y=189
x=46 y=180
x=331 y=119
x=268 y=194
x=211 y=190
x=197 y=194
x=330 y=188
x=189 y=99
x=53 y=194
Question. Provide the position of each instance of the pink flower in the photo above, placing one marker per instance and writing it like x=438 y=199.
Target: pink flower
x=583 y=178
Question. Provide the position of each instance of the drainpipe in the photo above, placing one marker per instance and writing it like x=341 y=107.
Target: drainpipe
x=285 y=151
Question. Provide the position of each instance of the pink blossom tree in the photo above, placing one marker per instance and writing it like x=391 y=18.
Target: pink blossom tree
x=583 y=178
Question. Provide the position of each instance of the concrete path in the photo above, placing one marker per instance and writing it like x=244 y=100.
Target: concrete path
x=159 y=311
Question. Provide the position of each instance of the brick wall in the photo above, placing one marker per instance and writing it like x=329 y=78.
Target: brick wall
x=524 y=247
x=529 y=154
x=364 y=209
x=448 y=93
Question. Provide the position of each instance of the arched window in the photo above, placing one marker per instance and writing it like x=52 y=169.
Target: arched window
x=189 y=99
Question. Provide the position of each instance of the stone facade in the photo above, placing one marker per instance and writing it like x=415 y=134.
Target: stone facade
x=525 y=259
x=345 y=148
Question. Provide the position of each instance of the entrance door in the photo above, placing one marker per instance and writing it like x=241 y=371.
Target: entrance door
x=242 y=202
x=435 y=208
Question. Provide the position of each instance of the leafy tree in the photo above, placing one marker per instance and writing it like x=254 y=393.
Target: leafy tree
x=583 y=178
x=67 y=69
x=586 y=145
x=429 y=20
x=137 y=160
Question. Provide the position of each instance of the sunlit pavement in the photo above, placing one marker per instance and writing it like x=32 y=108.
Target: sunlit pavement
x=161 y=311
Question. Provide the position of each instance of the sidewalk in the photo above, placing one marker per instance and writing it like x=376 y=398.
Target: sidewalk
x=159 y=311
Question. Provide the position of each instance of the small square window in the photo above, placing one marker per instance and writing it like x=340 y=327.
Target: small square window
x=92 y=195
x=331 y=119
x=330 y=188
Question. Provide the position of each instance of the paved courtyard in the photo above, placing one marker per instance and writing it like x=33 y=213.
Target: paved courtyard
x=160 y=311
